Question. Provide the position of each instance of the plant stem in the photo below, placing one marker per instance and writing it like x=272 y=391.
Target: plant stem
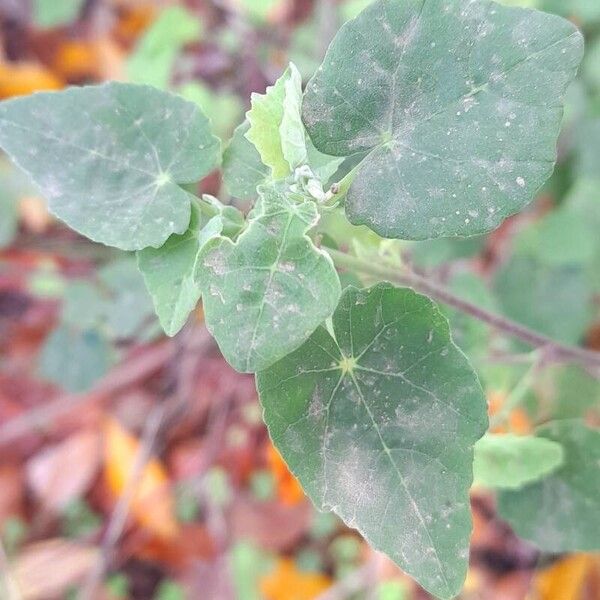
x=553 y=350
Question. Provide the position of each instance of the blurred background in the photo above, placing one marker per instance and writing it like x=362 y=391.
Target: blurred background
x=137 y=467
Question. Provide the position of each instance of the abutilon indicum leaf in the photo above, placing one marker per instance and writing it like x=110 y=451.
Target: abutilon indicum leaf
x=265 y=294
x=378 y=419
x=458 y=104
x=170 y=271
x=560 y=512
x=110 y=159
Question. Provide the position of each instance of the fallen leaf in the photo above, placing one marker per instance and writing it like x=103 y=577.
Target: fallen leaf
x=153 y=505
x=60 y=474
x=567 y=578
x=21 y=79
x=48 y=569
x=270 y=525
x=288 y=489
x=286 y=582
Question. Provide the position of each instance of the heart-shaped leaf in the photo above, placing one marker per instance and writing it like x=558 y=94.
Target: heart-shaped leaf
x=265 y=294
x=560 y=512
x=378 y=423
x=109 y=158
x=458 y=105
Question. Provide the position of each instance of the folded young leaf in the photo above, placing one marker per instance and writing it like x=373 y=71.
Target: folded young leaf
x=266 y=294
x=560 y=513
x=458 y=105
x=510 y=461
x=169 y=271
x=109 y=158
x=378 y=423
x=265 y=118
x=243 y=170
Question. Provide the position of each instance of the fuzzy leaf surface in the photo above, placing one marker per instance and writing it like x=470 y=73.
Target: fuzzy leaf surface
x=458 y=105
x=169 y=271
x=379 y=423
x=243 y=169
x=109 y=159
x=266 y=294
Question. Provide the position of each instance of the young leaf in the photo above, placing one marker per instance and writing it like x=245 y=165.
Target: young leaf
x=265 y=119
x=113 y=156
x=276 y=128
x=457 y=104
x=378 y=423
x=560 y=513
x=169 y=271
x=243 y=170
x=291 y=129
x=510 y=461
x=267 y=293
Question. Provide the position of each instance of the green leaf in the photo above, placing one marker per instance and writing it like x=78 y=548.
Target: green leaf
x=243 y=170
x=169 y=271
x=510 y=461
x=378 y=424
x=538 y=295
x=265 y=294
x=153 y=59
x=265 y=118
x=563 y=237
x=291 y=129
x=222 y=108
x=276 y=128
x=128 y=304
x=74 y=359
x=50 y=13
x=560 y=513
x=109 y=158
x=458 y=105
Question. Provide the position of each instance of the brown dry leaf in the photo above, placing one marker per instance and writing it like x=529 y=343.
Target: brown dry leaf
x=567 y=578
x=286 y=582
x=48 y=569
x=62 y=473
x=34 y=214
x=153 y=505
x=271 y=525
x=20 y=79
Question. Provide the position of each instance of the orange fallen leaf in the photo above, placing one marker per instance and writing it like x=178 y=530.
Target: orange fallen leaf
x=23 y=78
x=567 y=578
x=50 y=568
x=519 y=422
x=286 y=582
x=133 y=21
x=288 y=489
x=153 y=505
x=75 y=59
